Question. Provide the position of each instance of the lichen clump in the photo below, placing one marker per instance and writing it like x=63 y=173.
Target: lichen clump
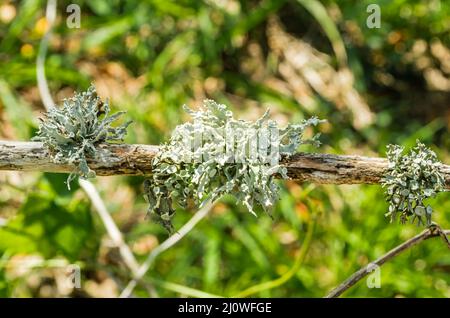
x=73 y=132
x=410 y=179
x=217 y=154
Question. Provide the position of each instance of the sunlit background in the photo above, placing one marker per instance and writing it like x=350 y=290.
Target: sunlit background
x=299 y=58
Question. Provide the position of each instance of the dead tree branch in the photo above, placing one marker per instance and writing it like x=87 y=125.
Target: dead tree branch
x=124 y=159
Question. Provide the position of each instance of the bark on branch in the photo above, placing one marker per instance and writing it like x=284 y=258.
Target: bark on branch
x=124 y=159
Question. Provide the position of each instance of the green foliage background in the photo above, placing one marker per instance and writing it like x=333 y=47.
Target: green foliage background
x=150 y=57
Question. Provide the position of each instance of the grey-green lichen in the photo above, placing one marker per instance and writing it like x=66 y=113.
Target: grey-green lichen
x=73 y=132
x=410 y=179
x=217 y=154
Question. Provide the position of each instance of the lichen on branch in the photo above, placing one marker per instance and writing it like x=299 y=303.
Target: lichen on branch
x=217 y=154
x=410 y=179
x=73 y=132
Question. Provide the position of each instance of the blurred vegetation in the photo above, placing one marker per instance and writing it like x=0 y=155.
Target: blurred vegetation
x=375 y=87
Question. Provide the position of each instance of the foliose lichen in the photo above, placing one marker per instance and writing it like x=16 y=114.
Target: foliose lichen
x=217 y=154
x=73 y=132
x=410 y=179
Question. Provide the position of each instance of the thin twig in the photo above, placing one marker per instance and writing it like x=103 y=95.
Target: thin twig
x=111 y=227
x=433 y=231
x=50 y=16
x=168 y=243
